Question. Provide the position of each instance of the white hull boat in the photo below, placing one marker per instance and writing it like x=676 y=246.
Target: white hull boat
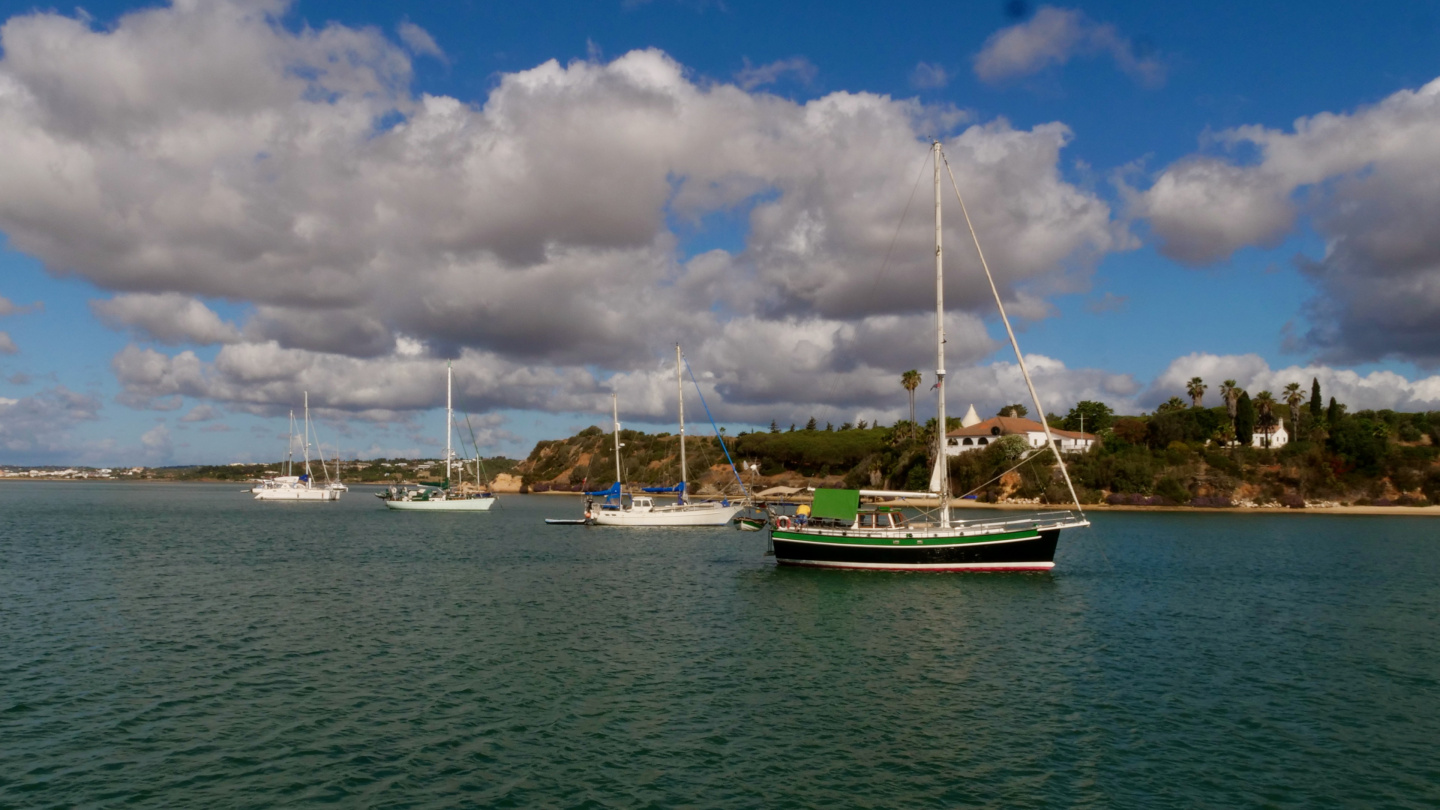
x=425 y=498
x=291 y=487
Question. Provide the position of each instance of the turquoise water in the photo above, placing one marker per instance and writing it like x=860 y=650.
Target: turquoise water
x=183 y=645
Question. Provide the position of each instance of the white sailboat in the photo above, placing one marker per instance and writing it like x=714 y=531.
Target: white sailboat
x=423 y=498
x=291 y=487
x=625 y=509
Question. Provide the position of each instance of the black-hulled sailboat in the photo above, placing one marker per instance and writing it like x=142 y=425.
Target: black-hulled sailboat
x=841 y=533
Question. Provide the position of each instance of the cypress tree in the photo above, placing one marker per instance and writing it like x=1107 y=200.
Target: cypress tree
x=1245 y=416
x=1333 y=414
x=1316 y=406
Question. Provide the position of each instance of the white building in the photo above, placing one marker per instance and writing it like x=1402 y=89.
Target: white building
x=979 y=435
x=1277 y=436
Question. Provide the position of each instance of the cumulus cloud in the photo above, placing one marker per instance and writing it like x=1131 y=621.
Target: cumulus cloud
x=1053 y=37
x=170 y=318
x=201 y=413
x=207 y=152
x=1365 y=179
x=7 y=344
x=157 y=444
x=1378 y=389
x=39 y=428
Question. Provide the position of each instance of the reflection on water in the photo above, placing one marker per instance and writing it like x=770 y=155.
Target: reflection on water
x=176 y=645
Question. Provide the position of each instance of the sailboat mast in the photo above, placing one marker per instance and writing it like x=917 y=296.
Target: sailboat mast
x=680 y=397
x=307 y=436
x=941 y=462
x=615 y=420
x=449 y=456
x=290 y=447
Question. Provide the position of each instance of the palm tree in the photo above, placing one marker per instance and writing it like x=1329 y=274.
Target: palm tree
x=1171 y=404
x=1293 y=398
x=1265 y=403
x=1231 y=392
x=1196 y=389
x=910 y=380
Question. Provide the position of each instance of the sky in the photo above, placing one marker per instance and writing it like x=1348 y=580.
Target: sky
x=211 y=207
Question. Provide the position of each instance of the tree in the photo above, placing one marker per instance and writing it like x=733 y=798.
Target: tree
x=1265 y=409
x=1244 y=419
x=829 y=426
x=811 y=424
x=1014 y=410
x=1131 y=430
x=1334 y=412
x=1293 y=398
x=1089 y=416
x=861 y=425
x=792 y=427
x=910 y=380
x=774 y=428
x=1196 y=389
x=1317 y=408
x=1231 y=393
x=1171 y=404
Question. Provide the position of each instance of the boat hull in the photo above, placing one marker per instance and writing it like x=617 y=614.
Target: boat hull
x=458 y=505
x=1032 y=550
x=297 y=494
x=668 y=516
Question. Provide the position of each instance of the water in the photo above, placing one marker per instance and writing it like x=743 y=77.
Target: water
x=183 y=645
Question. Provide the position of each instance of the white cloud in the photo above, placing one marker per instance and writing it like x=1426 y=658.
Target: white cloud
x=7 y=345
x=39 y=428
x=8 y=307
x=418 y=40
x=203 y=152
x=753 y=76
x=157 y=444
x=201 y=413
x=1053 y=37
x=170 y=318
x=927 y=76
x=1378 y=389
x=1365 y=180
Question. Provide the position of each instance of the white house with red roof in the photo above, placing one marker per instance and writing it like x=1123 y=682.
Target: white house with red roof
x=979 y=435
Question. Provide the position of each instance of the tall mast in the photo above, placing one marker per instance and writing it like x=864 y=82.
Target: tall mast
x=941 y=463
x=615 y=420
x=680 y=396
x=449 y=456
x=307 y=436
x=290 y=447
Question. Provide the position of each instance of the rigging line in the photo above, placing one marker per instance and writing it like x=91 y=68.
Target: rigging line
x=476 y=445
x=1024 y=371
x=886 y=263
x=718 y=437
x=1029 y=457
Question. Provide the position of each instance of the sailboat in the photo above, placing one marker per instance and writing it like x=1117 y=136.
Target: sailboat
x=444 y=498
x=620 y=508
x=841 y=533
x=292 y=487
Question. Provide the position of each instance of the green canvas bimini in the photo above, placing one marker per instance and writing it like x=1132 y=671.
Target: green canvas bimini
x=836 y=504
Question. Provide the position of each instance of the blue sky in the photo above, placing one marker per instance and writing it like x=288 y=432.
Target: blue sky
x=212 y=207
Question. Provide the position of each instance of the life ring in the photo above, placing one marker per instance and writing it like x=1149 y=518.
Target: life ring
x=782 y=522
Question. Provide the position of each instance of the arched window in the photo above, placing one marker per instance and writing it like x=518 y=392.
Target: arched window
x=984 y=440
x=969 y=441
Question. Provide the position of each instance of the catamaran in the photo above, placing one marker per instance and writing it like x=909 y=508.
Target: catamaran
x=840 y=533
x=292 y=487
x=620 y=508
x=443 y=498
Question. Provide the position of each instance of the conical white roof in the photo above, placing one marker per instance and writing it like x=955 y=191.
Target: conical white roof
x=971 y=418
